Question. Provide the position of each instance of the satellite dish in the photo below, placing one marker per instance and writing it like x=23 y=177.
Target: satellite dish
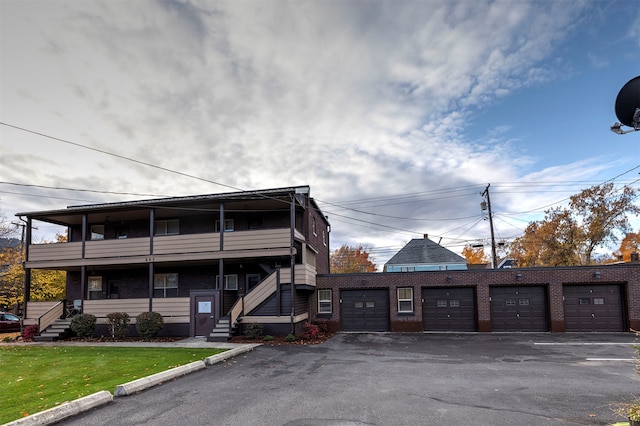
x=628 y=101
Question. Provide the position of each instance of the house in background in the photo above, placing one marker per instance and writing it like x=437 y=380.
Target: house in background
x=422 y=254
x=209 y=263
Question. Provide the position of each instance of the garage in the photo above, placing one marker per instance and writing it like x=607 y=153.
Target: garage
x=449 y=309
x=365 y=310
x=519 y=308
x=593 y=308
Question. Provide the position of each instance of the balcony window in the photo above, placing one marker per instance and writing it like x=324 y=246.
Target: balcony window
x=165 y=285
x=228 y=225
x=167 y=227
x=230 y=282
x=95 y=288
x=324 y=302
x=97 y=232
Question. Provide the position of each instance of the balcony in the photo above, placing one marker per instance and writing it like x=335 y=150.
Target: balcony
x=166 y=248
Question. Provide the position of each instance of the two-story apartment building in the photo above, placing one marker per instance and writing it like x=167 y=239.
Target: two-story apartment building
x=204 y=262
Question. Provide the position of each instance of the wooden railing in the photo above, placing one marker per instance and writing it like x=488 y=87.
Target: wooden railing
x=37 y=309
x=256 y=296
x=172 y=309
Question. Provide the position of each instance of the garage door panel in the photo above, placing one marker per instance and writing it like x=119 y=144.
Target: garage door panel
x=593 y=308
x=449 y=309
x=365 y=310
x=519 y=308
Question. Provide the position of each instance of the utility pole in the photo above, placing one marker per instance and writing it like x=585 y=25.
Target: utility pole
x=493 y=239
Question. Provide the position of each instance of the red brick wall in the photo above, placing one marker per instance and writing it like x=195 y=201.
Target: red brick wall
x=552 y=278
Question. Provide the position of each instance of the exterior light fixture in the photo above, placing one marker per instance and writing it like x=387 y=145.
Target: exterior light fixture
x=448 y=278
x=518 y=277
x=596 y=275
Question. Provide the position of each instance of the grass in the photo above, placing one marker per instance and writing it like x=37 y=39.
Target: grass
x=36 y=378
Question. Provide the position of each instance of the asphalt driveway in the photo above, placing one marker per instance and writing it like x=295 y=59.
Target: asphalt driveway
x=399 y=379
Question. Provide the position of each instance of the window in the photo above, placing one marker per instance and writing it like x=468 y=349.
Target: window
x=313 y=226
x=165 y=285
x=95 y=288
x=97 y=232
x=167 y=227
x=324 y=237
x=511 y=302
x=598 y=300
x=230 y=282
x=454 y=303
x=228 y=225
x=407 y=269
x=405 y=299
x=252 y=281
x=584 y=301
x=324 y=301
x=523 y=302
x=442 y=303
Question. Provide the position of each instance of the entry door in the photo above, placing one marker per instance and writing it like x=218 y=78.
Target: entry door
x=204 y=312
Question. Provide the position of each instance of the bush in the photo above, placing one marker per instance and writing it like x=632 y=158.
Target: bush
x=149 y=324
x=323 y=325
x=309 y=331
x=119 y=322
x=29 y=332
x=290 y=338
x=269 y=338
x=83 y=325
x=253 y=331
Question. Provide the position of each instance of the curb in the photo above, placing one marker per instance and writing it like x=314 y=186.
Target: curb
x=67 y=409
x=229 y=354
x=155 y=379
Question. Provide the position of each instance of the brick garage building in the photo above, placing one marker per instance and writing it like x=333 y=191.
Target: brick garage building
x=602 y=298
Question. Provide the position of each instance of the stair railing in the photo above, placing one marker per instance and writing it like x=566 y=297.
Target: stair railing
x=49 y=317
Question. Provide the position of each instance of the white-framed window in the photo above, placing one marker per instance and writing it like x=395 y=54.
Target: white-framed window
x=405 y=299
x=230 y=282
x=324 y=301
x=228 y=225
x=313 y=226
x=95 y=288
x=167 y=227
x=324 y=237
x=97 y=232
x=165 y=285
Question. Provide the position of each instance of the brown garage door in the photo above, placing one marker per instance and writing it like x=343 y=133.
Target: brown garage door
x=449 y=309
x=593 y=308
x=519 y=308
x=364 y=310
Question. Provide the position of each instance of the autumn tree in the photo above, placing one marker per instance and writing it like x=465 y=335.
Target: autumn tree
x=348 y=259
x=45 y=284
x=568 y=236
x=475 y=255
x=630 y=244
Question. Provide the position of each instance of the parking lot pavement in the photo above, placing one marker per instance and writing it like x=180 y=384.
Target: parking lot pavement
x=399 y=379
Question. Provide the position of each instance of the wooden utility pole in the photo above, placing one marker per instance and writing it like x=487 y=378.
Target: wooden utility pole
x=493 y=239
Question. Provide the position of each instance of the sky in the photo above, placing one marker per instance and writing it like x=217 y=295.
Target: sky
x=396 y=114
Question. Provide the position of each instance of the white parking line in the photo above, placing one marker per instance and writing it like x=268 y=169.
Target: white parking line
x=612 y=359
x=585 y=344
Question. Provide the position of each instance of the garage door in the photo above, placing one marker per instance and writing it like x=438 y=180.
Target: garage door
x=365 y=310
x=519 y=308
x=449 y=309
x=593 y=308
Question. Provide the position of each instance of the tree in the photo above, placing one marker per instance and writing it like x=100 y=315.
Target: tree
x=475 y=256
x=630 y=244
x=568 y=236
x=348 y=259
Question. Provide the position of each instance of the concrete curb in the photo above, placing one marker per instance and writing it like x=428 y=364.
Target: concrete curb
x=155 y=379
x=229 y=354
x=65 y=410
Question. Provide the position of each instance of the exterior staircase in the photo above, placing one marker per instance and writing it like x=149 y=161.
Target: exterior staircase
x=56 y=331
x=220 y=332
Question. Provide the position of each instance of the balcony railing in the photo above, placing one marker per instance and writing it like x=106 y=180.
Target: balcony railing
x=165 y=248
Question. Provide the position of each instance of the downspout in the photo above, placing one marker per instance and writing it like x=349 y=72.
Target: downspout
x=27 y=271
x=293 y=260
x=152 y=231
x=221 y=264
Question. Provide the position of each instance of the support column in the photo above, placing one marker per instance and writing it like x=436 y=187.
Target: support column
x=151 y=274
x=292 y=257
x=83 y=287
x=221 y=261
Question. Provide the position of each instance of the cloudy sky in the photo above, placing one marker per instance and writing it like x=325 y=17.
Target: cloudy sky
x=396 y=114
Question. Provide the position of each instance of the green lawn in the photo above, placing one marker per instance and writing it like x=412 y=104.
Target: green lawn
x=36 y=378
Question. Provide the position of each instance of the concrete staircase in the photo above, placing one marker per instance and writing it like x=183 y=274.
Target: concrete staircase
x=56 y=331
x=220 y=332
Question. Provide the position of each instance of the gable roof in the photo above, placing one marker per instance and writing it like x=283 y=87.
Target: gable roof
x=425 y=251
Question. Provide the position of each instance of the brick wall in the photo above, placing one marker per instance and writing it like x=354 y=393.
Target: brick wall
x=553 y=279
